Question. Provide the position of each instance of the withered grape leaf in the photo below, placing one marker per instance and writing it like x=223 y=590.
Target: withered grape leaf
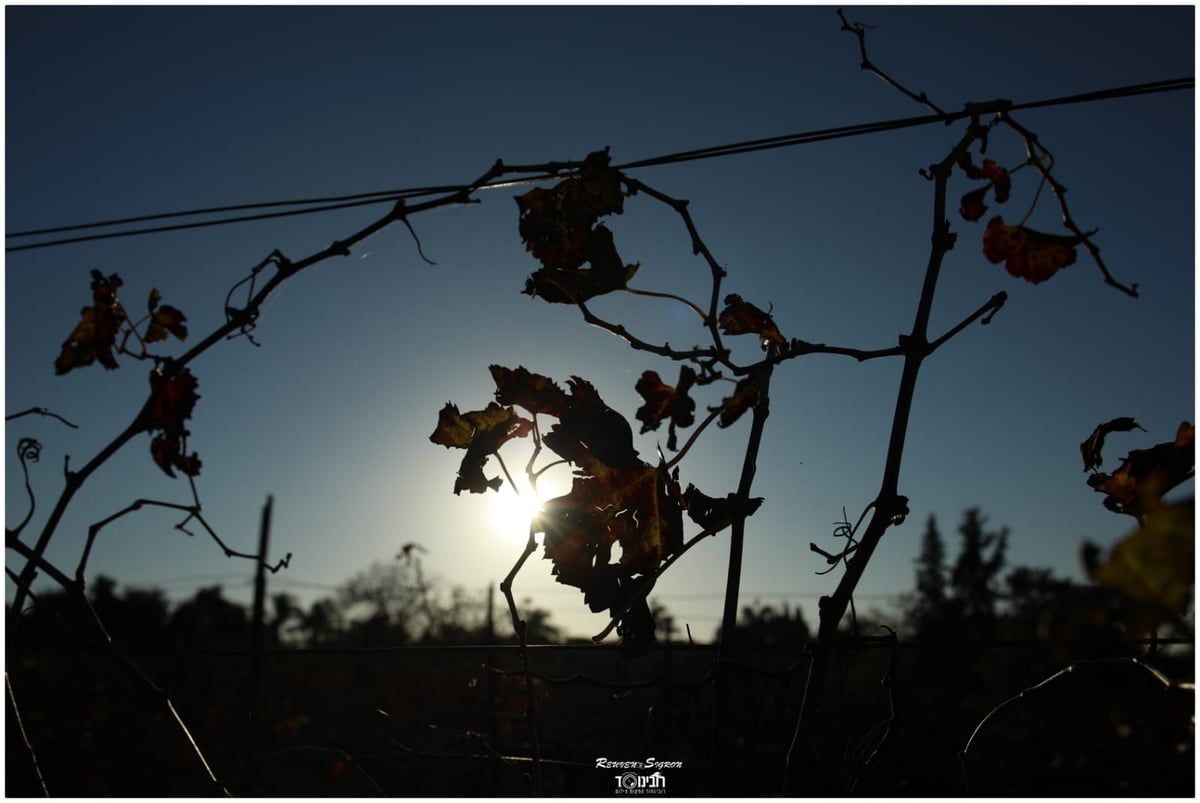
x=716 y=514
x=169 y=454
x=174 y=399
x=742 y=318
x=1146 y=474
x=164 y=320
x=556 y=226
x=533 y=392
x=1028 y=254
x=570 y=285
x=172 y=405
x=481 y=433
x=972 y=206
x=664 y=401
x=1094 y=445
x=636 y=507
x=96 y=333
x=589 y=428
x=745 y=396
x=1155 y=564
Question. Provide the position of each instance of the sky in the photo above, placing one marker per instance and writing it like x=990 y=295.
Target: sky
x=115 y=112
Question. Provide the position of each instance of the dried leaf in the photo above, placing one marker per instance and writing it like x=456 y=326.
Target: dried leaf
x=742 y=318
x=716 y=514
x=164 y=320
x=481 y=433
x=174 y=399
x=590 y=429
x=745 y=396
x=532 y=392
x=1031 y=255
x=562 y=285
x=635 y=507
x=96 y=333
x=172 y=405
x=168 y=453
x=664 y=401
x=1092 y=447
x=558 y=226
x=1146 y=474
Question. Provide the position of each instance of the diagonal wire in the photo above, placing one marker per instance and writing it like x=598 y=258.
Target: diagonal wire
x=331 y=203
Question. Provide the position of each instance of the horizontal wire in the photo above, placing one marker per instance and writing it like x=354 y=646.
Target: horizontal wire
x=333 y=203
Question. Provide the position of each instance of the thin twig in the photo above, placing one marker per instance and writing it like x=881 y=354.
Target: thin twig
x=43 y=412
x=12 y=701
x=860 y=31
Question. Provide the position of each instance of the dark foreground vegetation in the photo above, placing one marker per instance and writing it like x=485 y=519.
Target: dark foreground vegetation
x=397 y=686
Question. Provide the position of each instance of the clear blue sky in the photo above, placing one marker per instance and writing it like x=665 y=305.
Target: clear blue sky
x=114 y=112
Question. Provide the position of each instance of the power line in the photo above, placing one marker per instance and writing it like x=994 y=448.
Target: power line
x=332 y=203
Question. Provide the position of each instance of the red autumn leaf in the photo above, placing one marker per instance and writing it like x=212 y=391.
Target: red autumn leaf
x=972 y=206
x=172 y=405
x=532 y=392
x=664 y=401
x=96 y=333
x=164 y=320
x=999 y=178
x=1092 y=447
x=1031 y=255
x=742 y=318
x=481 y=433
x=745 y=396
x=173 y=399
x=1146 y=474
x=168 y=452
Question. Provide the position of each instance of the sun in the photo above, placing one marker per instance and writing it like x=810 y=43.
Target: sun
x=511 y=513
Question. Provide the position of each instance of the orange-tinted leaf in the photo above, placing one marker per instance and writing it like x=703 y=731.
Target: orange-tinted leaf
x=742 y=318
x=1155 y=564
x=1092 y=447
x=973 y=206
x=1146 y=474
x=481 y=433
x=1031 y=255
x=164 y=320
x=664 y=401
x=745 y=396
x=533 y=392
x=96 y=333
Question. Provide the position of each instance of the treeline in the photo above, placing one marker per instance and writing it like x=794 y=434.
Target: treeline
x=971 y=597
x=386 y=604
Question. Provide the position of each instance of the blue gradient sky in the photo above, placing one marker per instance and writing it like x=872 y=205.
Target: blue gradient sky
x=125 y=111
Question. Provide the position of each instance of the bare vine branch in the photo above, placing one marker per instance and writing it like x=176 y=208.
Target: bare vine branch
x=42 y=411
